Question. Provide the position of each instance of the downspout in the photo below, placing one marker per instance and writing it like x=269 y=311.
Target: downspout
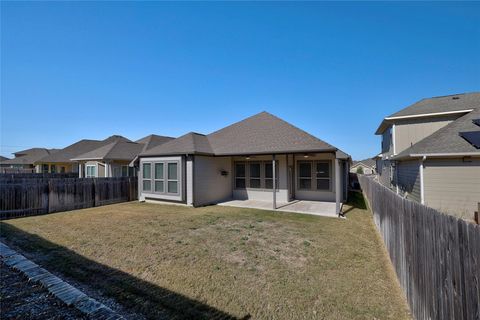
x=422 y=193
x=396 y=176
x=393 y=139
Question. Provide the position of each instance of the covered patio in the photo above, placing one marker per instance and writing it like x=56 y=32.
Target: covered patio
x=318 y=208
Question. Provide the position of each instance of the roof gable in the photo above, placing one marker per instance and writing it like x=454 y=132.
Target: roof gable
x=190 y=143
x=448 y=139
x=262 y=133
x=428 y=107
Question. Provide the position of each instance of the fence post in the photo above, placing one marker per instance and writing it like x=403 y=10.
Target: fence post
x=49 y=195
x=95 y=193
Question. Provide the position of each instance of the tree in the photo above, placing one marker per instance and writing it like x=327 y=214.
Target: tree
x=360 y=170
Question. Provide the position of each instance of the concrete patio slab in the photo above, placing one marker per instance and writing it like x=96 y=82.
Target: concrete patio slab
x=318 y=208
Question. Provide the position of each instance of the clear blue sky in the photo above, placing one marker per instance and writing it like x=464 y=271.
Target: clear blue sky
x=88 y=70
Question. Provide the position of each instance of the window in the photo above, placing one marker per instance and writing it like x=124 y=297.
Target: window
x=323 y=175
x=159 y=180
x=45 y=168
x=255 y=175
x=53 y=168
x=146 y=176
x=269 y=175
x=172 y=179
x=305 y=175
x=91 y=171
x=314 y=175
x=240 y=175
x=62 y=169
x=124 y=171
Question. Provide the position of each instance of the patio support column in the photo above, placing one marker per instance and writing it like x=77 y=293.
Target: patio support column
x=274 y=176
x=338 y=187
x=80 y=170
x=107 y=169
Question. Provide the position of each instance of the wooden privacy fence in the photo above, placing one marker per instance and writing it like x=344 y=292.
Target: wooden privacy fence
x=27 y=196
x=436 y=256
x=13 y=176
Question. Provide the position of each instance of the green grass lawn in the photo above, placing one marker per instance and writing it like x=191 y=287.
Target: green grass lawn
x=174 y=261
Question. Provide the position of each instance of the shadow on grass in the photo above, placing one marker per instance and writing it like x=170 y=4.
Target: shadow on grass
x=355 y=201
x=133 y=293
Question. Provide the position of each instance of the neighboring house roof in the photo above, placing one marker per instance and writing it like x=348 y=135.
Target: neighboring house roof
x=2 y=158
x=118 y=150
x=262 y=133
x=29 y=156
x=78 y=148
x=153 y=140
x=190 y=143
x=456 y=103
x=447 y=140
x=366 y=162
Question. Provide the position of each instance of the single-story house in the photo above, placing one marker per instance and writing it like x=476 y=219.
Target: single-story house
x=431 y=153
x=368 y=166
x=261 y=158
x=113 y=159
x=61 y=161
x=24 y=160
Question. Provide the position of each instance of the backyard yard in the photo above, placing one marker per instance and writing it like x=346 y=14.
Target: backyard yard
x=168 y=261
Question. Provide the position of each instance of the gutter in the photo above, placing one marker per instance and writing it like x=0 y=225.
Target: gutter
x=438 y=155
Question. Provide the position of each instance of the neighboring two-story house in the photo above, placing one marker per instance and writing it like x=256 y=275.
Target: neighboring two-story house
x=430 y=153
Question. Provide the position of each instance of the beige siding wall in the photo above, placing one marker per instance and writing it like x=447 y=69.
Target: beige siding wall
x=408 y=132
x=408 y=177
x=101 y=170
x=452 y=186
x=69 y=167
x=387 y=148
x=383 y=168
x=209 y=185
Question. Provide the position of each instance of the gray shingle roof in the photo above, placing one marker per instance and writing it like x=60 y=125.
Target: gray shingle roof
x=190 y=143
x=450 y=103
x=152 y=141
x=2 y=158
x=118 y=150
x=447 y=140
x=454 y=102
x=78 y=148
x=262 y=133
x=29 y=156
x=370 y=162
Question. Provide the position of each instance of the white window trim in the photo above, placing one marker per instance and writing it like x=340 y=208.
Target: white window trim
x=121 y=170
x=155 y=177
x=147 y=179
x=165 y=177
x=177 y=180
x=91 y=166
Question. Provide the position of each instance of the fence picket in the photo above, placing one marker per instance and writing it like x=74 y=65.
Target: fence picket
x=436 y=257
x=32 y=195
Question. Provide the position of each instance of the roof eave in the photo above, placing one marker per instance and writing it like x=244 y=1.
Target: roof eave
x=437 y=155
